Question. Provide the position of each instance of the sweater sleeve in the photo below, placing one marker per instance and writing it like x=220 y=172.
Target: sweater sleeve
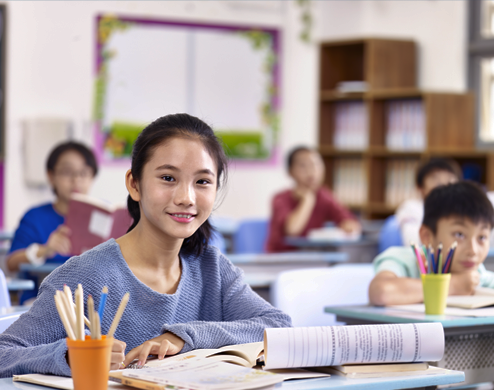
x=35 y=343
x=245 y=315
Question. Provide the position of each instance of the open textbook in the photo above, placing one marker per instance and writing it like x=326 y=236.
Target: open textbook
x=356 y=344
x=483 y=297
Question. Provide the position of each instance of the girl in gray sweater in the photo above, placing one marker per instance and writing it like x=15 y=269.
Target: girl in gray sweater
x=184 y=294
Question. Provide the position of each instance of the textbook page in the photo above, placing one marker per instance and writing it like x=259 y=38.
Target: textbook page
x=205 y=374
x=360 y=344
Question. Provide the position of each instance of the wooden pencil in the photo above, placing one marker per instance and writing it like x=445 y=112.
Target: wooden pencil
x=63 y=317
x=97 y=326
x=69 y=308
x=90 y=314
x=79 y=312
x=118 y=316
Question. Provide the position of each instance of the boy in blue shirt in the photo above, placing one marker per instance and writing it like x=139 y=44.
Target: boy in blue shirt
x=457 y=212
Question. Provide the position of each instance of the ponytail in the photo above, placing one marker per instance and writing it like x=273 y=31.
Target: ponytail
x=134 y=212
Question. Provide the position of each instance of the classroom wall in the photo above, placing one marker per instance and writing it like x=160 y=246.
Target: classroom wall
x=50 y=61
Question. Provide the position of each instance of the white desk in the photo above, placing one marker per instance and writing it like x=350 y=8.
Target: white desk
x=332 y=383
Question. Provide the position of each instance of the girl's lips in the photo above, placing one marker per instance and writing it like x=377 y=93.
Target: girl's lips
x=468 y=264
x=182 y=218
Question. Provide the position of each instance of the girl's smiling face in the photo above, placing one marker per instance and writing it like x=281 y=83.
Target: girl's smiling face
x=177 y=188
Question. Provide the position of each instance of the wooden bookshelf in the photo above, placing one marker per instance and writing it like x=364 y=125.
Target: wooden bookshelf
x=389 y=68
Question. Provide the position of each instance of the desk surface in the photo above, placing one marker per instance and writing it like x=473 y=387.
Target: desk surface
x=304 y=242
x=332 y=383
x=385 y=314
x=19 y=284
x=44 y=268
x=287 y=257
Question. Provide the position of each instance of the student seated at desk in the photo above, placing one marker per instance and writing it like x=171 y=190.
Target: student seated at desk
x=458 y=212
x=184 y=294
x=308 y=205
x=41 y=236
x=433 y=173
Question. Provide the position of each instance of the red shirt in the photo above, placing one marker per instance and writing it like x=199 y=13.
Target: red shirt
x=325 y=209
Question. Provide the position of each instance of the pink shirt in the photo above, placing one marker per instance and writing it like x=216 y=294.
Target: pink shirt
x=325 y=209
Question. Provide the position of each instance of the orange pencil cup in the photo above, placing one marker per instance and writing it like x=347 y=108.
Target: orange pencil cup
x=90 y=362
x=436 y=289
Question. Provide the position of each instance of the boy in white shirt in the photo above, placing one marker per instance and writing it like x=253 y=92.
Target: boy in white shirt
x=433 y=173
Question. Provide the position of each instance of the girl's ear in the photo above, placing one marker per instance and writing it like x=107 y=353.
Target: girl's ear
x=426 y=235
x=132 y=186
x=51 y=178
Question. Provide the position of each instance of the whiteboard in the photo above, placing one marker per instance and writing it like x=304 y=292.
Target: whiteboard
x=148 y=69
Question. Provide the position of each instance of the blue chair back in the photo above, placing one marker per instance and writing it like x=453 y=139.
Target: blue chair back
x=390 y=234
x=251 y=236
x=218 y=241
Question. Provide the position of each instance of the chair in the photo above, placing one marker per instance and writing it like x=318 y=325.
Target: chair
x=218 y=241
x=390 y=234
x=8 y=320
x=303 y=294
x=251 y=236
x=4 y=292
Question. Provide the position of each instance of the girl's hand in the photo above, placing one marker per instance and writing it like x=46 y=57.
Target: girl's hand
x=166 y=344
x=117 y=354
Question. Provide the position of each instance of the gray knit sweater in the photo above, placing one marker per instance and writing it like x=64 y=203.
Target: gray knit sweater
x=212 y=307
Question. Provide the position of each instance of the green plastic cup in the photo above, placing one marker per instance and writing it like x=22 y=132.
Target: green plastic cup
x=436 y=289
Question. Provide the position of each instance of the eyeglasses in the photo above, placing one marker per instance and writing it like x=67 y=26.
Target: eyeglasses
x=70 y=174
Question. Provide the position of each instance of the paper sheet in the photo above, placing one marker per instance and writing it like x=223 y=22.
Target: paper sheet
x=336 y=345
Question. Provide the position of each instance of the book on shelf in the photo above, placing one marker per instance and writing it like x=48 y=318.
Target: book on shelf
x=350 y=126
x=405 y=125
x=357 y=86
x=400 y=181
x=350 y=181
x=483 y=297
x=93 y=221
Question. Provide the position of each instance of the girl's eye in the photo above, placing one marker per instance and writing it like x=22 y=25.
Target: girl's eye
x=203 y=181
x=482 y=238
x=167 y=178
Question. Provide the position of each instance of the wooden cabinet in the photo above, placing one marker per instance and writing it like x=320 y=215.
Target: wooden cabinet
x=400 y=124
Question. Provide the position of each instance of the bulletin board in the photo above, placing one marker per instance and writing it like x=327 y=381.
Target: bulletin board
x=226 y=75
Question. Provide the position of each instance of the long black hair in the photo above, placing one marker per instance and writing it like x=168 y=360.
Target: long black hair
x=161 y=130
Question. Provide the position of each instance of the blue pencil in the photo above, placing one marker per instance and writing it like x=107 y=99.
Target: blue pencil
x=102 y=302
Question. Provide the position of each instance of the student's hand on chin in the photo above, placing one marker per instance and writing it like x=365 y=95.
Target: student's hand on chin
x=464 y=283
x=164 y=345
x=303 y=192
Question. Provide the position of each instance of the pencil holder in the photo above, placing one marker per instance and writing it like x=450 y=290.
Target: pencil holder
x=436 y=289
x=90 y=362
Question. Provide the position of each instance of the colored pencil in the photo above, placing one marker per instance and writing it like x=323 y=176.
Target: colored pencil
x=102 y=302
x=431 y=255
x=440 y=259
x=118 y=316
x=452 y=257
x=419 y=258
x=63 y=316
